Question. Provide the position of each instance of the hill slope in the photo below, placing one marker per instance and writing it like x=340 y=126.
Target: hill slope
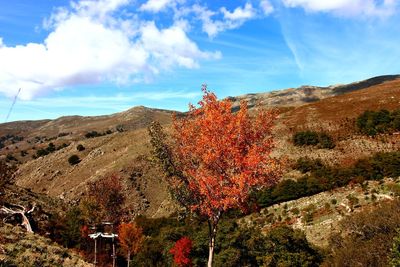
x=127 y=153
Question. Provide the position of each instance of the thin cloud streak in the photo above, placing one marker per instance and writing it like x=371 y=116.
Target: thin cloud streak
x=341 y=52
x=96 y=101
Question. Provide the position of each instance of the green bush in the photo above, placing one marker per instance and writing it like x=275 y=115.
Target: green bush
x=49 y=149
x=325 y=141
x=73 y=160
x=310 y=138
x=92 y=134
x=323 y=178
x=306 y=164
x=307 y=138
x=375 y=122
x=236 y=246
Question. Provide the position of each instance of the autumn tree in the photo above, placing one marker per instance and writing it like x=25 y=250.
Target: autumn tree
x=131 y=238
x=104 y=200
x=217 y=158
x=181 y=251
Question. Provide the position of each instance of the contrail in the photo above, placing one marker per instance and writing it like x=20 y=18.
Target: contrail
x=12 y=105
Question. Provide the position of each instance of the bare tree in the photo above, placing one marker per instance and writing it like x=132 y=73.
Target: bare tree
x=14 y=210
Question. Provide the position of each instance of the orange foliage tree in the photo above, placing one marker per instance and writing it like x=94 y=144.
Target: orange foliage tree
x=218 y=158
x=181 y=251
x=130 y=237
x=105 y=199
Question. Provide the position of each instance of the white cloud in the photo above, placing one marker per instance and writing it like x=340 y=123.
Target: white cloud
x=88 y=44
x=266 y=7
x=346 y=7
x=248 y=12
x=156 y=5
x=230 y=20
x=171 y=46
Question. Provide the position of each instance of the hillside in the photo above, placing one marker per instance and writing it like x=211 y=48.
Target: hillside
x=314 y=197
x=126 y=151
x=18 y=248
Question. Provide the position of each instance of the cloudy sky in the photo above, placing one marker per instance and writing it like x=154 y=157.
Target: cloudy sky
x=93 y=57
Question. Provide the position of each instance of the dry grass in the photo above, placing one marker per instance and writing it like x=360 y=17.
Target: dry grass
x=18 y=248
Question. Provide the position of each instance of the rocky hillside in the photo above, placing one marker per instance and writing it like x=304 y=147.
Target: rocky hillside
x=307 y=94
x=119 y=144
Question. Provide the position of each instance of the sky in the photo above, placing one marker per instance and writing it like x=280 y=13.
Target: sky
x=96 y=57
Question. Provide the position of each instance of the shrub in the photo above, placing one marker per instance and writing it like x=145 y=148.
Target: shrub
x=10 y=157
x=120 y=128
x=62 y=146
x=307 y=138
x=51 y=148
x=310 y=138
x=375 y=122
x=92 y=134
x=74 y=159
x=306 y=164
x=287 y=247
x=323 y=178
x=80 y=147
x=41 y=153
x=325 y=141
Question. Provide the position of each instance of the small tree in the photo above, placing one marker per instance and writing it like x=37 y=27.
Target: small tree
x=105 y=199
x=218 y=158
x=131 y=238
x=80 y=147
x=181 y=251
x=74 y=159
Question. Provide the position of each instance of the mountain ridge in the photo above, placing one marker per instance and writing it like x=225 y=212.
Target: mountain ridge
x=306 y=93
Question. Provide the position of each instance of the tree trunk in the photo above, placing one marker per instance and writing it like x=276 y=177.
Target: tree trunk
x=211 y=251
x=18 y=210
x=26 y=223
x=129 y=257
x=212 y=226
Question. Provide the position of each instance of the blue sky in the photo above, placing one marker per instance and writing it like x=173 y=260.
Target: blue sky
x=90 y=57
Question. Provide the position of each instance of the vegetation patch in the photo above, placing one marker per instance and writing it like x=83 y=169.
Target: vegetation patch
x=376 y=122
x=74 y=159
x=321 y=178
x=310 y=138
x=49 y=149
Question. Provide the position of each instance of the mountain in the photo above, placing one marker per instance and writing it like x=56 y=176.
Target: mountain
x=307 y=94
x=323 y=191
x=119 y=144
x=134 y=118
